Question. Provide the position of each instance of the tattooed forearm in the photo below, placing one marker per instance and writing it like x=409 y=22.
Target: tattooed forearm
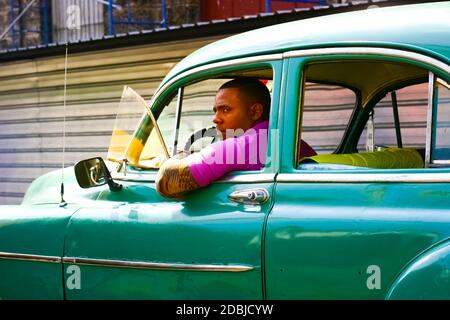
x=174 y=179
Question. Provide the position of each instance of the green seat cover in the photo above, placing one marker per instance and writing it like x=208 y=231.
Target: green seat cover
x=390 y=158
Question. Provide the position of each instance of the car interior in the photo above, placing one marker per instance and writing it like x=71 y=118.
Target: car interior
x=371 y=81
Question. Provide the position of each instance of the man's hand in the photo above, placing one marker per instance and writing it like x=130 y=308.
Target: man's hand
x=174 y=179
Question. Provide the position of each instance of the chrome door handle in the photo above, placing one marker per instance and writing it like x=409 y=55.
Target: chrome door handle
x=250 y=196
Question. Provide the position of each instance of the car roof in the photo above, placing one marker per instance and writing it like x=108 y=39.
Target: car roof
x=423 y=28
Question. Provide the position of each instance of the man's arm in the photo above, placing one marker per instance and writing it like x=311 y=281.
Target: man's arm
x=174 y=178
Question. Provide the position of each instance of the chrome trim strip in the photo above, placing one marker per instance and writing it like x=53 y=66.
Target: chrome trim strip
x=441 y=161
x=156 y=265
x=227 y=63
x=243 y=178
x=248 y=178
x=365 y=177
x=29 y=257
x=369 y=51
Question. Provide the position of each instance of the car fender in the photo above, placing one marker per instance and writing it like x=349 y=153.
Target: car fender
x=427 y=277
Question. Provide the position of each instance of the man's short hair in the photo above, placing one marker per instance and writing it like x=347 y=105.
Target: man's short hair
x=254 y=91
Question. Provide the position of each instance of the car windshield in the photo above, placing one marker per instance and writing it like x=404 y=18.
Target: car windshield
x=134 y=123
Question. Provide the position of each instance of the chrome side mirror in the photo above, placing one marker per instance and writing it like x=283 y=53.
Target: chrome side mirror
x=93 y=173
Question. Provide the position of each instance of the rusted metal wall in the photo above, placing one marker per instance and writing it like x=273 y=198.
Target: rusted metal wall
x=222 y=9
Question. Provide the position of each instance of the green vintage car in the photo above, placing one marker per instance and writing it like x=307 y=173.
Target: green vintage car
x=367 y=218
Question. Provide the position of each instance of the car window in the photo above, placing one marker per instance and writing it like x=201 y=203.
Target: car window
x=196 y=102
x=131 y=109
x=326 y=113
x=380 y=130
x=441 y=138
x=166 y=121
x=363 y=114
x=197 y=112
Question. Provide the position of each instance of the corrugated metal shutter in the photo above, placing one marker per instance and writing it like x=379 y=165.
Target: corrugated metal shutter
x=88 y=14
x=31 y=106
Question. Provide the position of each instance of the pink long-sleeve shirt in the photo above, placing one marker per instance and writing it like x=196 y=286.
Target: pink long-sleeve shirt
x=246 y=152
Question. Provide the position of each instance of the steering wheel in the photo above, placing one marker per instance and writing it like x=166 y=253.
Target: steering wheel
x=200 y=134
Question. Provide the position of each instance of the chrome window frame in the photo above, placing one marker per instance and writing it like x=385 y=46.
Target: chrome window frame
x=365 y=177
x=433 y=107
x=397 y=53
x=221 y=64
x=429 y=130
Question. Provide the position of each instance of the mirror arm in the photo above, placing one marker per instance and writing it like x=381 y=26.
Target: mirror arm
x=113 y=186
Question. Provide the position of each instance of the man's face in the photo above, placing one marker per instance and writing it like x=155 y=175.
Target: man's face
x=232 y=112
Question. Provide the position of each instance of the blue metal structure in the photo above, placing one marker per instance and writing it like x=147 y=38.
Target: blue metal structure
x=46 y=35
x=14 y=4
x=131 y=21
x=17 y=30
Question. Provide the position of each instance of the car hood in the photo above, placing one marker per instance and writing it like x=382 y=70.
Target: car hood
x=46 y=189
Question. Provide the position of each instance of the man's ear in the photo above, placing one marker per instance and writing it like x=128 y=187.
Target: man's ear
x=256 y=111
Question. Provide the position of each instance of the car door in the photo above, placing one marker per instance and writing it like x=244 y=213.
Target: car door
x=136 y=244
x=340 y=231
x=31 y=249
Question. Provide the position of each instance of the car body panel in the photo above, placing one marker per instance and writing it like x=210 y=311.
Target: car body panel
x=204 y=230
x=191 y=232
x=31 y=247
x=325 y=243
x=426 y=277
x=51 y=183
